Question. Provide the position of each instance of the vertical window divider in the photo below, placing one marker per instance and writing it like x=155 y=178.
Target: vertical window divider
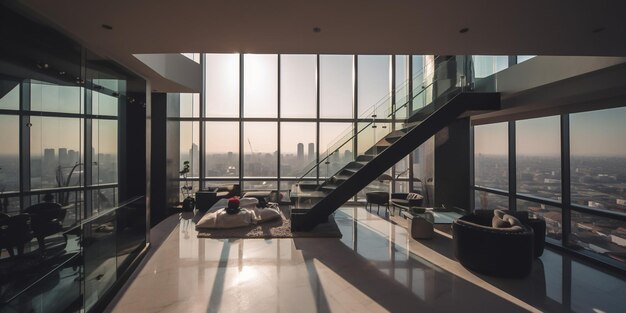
x=393 y=113
x=355 y=107
x=278 y=138
x=472 y=182
x=201 y=114
x=241 y=108
x=565 y=180
x=512 y=167
x=24 y=144
x=317 y=120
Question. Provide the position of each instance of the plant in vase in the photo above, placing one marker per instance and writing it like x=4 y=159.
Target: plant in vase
x=189 y=202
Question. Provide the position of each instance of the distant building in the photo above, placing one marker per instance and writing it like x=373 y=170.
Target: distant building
x=620 y=202
x=63 y=157
x=194 y=161
x=311 y=151
x=300 y=154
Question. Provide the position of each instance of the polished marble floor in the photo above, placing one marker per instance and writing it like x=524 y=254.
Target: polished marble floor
x=374 y=267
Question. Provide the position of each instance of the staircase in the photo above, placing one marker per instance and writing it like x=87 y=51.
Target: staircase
x=315 y=203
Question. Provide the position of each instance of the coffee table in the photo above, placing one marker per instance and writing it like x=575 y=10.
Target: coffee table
x=422 y=224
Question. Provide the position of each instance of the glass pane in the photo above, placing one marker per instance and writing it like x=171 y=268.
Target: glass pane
x=489 y=201
x=59 y=291
x=597 y=234
x=551 y=214
x=374 y=83
x=222 y=85
x=189 y=105
x=370 y=134
x=103 y=199
x=9 y=153
x=260 y=94
x=424 y=170
x=131 y=232
x=402 y=84
x=103 y=103
x=259 y=185
x=522 y=58
x=260 y=149
x=190 y=146
x=104 y=149
x=297 y=148
x=9 y=94
x=330 y=133
x=99 y=257
x=55 y=98
x=10 y=205
x=486 y=65
x=298 y=86
x=336 y=86
x=538 y=157
x=598 y=160
x=491 y=156
x=222 y=149
x=423 y=70
x=55 y=147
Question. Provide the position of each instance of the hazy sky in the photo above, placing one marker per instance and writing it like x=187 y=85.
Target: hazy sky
x=595 y=133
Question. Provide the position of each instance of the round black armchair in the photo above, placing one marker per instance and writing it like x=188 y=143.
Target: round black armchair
x=503 y=252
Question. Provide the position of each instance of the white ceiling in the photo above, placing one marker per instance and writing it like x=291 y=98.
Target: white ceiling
x=546 y=27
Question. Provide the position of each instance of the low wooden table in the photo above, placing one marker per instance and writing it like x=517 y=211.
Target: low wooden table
x=422 y=224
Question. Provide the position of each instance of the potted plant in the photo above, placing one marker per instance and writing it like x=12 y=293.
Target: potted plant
x=189 y=202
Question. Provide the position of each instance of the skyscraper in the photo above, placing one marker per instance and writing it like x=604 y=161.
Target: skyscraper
x=63 y=157
x=311 y=151
x=300 y=151
x=194 y=156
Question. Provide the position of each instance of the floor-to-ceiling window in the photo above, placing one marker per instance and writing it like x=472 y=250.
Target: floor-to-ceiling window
x=569 y=169
x=70 y=223
x=266 y=120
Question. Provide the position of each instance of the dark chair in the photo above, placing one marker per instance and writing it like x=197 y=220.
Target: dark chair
x=377 y=197
x=502 y=252
x=537 y=224
x=47 y=220
x=403 y=202
x=15 y=232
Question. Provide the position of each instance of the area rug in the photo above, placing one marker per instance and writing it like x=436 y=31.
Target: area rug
x=273 y=229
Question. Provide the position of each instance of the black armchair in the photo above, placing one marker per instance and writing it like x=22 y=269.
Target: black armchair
x=537 y=224
x=15 y=232
x=47 y=220
x=503 y=252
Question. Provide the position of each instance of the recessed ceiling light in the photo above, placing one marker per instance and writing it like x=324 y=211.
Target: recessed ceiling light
x=463 y=30
x=317 y=29
x=597 y=30
x=107 y=26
